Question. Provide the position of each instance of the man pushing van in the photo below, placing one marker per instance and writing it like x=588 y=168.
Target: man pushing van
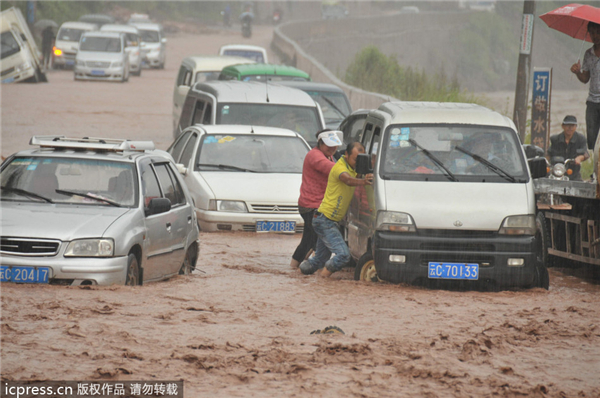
x=340 y=189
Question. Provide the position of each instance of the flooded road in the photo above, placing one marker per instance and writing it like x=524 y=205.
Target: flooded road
x=241 y=324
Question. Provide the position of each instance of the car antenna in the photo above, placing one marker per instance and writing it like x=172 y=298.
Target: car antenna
x=267 y=86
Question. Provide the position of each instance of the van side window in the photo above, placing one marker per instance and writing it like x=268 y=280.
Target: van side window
x=207 y=114
x=171 y=189
x=186 y=112
x=187 y=79
x=150 y=186
x=198 y=112
x=375 y=141
x=367 y=136
x=181 y=75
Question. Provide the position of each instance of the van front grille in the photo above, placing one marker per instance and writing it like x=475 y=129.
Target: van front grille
x=6 y=72
x=97 y=64
x=274 y=209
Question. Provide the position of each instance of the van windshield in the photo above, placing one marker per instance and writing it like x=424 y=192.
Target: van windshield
x=461 y=153
x=301 y=119
x=256 y=56
x=149 y=36
x=69 y=34
x=101 y=44
x=10 y=45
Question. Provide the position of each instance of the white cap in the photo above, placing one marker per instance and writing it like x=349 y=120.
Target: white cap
x=331 y=138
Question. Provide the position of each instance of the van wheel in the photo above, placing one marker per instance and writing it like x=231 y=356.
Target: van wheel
x=542 y=277
x=133 y=271
x=542 y=235
x=365 y=269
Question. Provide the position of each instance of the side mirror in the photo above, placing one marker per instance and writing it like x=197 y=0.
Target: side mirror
x=533 y=151
x=158 y=206
x=181 y=169
x=163 y=40
x=537 y=167
x=363 y=164
x=23 y=37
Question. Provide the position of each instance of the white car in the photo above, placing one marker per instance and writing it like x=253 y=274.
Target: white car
x=154 y=44
x=102 y=56
x=67 y=43
x=256 y=53
x=133 y=43
x=244 y=178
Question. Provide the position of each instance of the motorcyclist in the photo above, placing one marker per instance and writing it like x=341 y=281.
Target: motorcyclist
x=246 y=19
x=227 y=16
x=569 y=145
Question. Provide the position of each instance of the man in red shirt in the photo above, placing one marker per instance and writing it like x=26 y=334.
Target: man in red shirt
x=315 y=171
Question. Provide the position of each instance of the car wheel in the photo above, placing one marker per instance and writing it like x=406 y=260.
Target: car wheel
x=133 y=271
x=542 y=236
x=189 y=262
x=542 y=277
x=365 y=269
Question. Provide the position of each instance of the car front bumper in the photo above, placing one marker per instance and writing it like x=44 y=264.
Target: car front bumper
x=490 y=250
x=211 y=221
x=74 y=270
x=111 y=73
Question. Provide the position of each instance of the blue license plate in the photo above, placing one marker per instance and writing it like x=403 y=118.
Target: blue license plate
x=453 y=271
x=9 y=80
x=98 y=72
x=69 y=62
x=275 y=226
x=24 y=274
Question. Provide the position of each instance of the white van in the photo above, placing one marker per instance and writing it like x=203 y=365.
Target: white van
x=255 y=53
x=133 y=44
x=154 y=44
x=67 y=43
x=198 y=69
x=251 y=103
x=452 y=199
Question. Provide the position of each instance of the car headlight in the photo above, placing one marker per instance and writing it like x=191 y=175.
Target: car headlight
x=518 y=225
x=395 y=222
x=117 y=64
x=57 y=51
x=22 y=67
x=227 y=205
x=91 y=248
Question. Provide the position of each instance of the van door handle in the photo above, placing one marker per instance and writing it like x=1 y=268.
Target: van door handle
x=169 y=226
x=189 y=219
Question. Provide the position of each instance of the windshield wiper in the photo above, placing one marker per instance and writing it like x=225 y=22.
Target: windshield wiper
x=435 y=160
x=89 y=196
x=488 y=164
x=338 y=110
x=23 y=192
x=225 y=166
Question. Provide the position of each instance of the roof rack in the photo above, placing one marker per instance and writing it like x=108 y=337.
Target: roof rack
x=91 y=143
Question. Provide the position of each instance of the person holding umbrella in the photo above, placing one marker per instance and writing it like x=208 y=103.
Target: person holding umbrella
x=589 y=71
x=47 y=44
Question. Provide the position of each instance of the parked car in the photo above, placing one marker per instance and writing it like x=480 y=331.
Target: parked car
x=94 y=211
x=255 y=53
x=452 y=200
x=197 y=69
x=66 y=44
x=133 y=44
x=243 y=178
x=332 y=99
x=154 y=44
x=102 y=56
x=262 y=72
x=252 y=103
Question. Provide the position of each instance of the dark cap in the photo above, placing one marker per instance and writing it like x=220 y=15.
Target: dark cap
x=569 y=119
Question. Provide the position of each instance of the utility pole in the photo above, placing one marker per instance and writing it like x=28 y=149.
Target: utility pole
x=523 y=70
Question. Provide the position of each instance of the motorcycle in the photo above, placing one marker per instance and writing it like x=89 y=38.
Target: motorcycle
x=559 y=168
x=276 y=16
x=246 y=24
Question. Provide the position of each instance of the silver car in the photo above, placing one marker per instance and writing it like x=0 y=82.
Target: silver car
x=243 y=178
x=94 y=212
x=102 y=56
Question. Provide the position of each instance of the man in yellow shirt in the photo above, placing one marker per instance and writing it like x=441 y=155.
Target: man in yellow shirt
x=340 y=189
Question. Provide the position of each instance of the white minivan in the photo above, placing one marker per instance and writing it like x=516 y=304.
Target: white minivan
x=133 y=44
x=452 y=201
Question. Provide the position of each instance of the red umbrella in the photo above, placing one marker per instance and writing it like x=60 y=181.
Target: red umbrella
x=572 y=19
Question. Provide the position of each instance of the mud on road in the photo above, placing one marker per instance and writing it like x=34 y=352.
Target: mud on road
x=240 y=324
